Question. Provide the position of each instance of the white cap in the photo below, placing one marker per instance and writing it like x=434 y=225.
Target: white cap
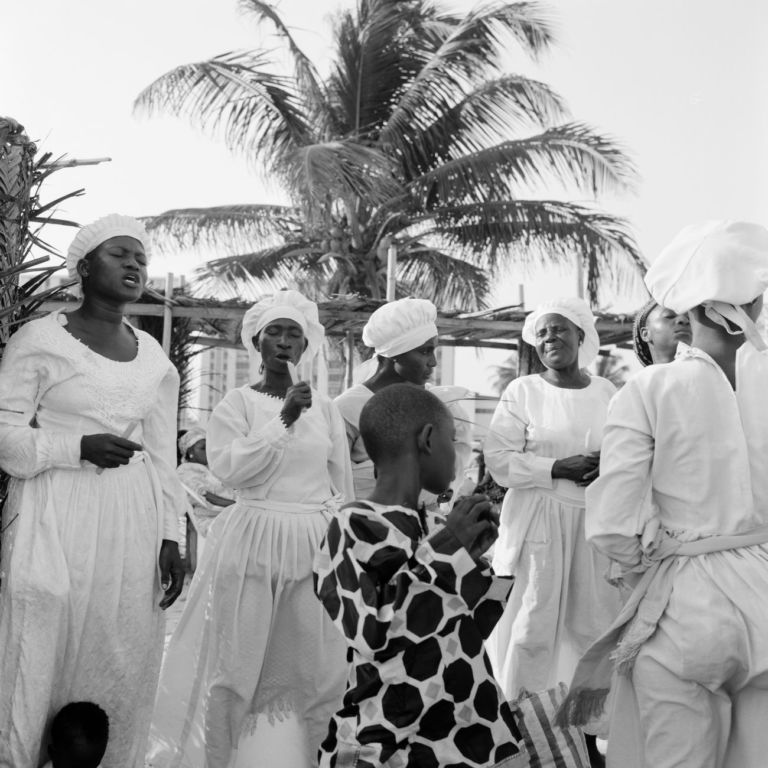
x=719 y=265
x=290 y=305
x=400 y=326
x=578 y=312
x=93 y=235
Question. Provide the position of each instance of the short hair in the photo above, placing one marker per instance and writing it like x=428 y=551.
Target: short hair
x=640 y=345
x=394 y=415
x=80 y=718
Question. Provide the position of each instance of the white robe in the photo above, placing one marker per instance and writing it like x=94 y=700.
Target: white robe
x=78 y=608
x=254 y=643
x=698 y=695
x=560 y=601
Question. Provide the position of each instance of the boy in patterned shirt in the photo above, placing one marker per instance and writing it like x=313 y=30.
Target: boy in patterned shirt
x=415 y=601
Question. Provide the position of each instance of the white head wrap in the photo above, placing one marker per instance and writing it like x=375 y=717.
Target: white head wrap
x=719 y=265
x=93 y=235
x=400 y=326
x=290 y=305
x=188 y=439
x=579 y=313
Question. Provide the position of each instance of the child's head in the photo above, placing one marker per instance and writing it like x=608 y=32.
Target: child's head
x=403 y=420
x=79 y=735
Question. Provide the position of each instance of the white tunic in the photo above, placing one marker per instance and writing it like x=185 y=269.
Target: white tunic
x=702 y=448
x=560 y=602
x=253 y=639
x=78 y=609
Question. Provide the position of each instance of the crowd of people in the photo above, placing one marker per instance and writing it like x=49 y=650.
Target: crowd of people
x=355 y=600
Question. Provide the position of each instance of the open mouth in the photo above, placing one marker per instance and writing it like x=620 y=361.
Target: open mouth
x=131 y=280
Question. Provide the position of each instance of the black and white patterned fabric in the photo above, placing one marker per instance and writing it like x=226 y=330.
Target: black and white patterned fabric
x=415 y=609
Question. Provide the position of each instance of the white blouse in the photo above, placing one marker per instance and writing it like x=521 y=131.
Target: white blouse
x=54 y=390
x=536 y=423
x=681 y=431
x=250 y=449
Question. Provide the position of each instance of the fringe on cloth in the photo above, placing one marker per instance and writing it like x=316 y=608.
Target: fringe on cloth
x=580 y=706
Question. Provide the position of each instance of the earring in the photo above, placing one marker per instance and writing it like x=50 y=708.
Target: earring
x=261 y=367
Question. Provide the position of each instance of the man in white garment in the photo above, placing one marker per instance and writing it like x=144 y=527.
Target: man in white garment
x=689 y=653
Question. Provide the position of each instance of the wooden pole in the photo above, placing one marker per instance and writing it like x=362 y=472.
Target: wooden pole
x=350 y=357
x=391 y=271
x=579 y=276
x=168 y=314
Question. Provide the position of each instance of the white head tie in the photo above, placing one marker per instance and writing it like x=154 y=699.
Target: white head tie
x=719 y=265
x=289 y=305
x=93 y=235
x=578 y=312
x=400 y=326
x=188 y=439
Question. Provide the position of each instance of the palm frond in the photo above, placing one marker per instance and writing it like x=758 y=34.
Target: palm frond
x=307 y=77
x=481 y=118
x=529 y=232
x=571 y=154
x=467 y=56
x=373 y=62
x=340 y=169
x=260 y=114
x=446 y=280
x=233 y=227
x=250 y=274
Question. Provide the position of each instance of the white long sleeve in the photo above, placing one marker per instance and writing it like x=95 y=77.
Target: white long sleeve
x=241 y=455
x=506 y=457
x=159 y=441
x=26 y=449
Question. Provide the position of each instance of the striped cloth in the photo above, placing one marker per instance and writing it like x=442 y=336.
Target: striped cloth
x=548 y=745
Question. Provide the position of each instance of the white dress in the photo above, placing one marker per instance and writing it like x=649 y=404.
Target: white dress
x=350 y=404
x=254 y=640
x=560 y=601
x=78 y=609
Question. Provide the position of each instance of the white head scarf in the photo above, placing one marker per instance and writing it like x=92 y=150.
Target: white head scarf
x=188 y=439
x=93 y=235
x=719 y=265
x=290 y=305
x=400 y=326
x=579 y=313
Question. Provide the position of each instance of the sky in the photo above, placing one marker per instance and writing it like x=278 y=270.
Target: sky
x=680 y=83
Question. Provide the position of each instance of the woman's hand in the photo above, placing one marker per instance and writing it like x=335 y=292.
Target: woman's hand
x=171 y=572
x=107 y=451
x=582 y=469
x=216 y=500
x=474 y=523
x=298 y=397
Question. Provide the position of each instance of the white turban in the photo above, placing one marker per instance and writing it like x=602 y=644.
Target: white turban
x=719 y=265
x=93 y=235
x=188 y=439
x=288 y=305
x=400 y=326
x=579 y=313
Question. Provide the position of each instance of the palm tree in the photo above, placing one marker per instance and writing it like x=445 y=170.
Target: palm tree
x=418 y=136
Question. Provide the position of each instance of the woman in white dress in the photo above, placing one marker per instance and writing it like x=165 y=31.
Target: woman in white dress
x=403 y=334
x=254 y=645
x=87 y=434
x=544 y=445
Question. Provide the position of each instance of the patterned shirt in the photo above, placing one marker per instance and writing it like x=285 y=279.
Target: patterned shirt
x=415 y=609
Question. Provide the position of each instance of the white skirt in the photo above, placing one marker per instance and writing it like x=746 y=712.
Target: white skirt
x=253 y=644
x=78 y=613
x=560 y=602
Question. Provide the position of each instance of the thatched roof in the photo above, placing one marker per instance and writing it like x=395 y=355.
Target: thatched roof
x=345 y=316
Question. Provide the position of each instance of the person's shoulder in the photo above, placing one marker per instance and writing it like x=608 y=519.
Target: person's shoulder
x=380 y=517
x=350 y=402
x=602 y=384
x=36 y=332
